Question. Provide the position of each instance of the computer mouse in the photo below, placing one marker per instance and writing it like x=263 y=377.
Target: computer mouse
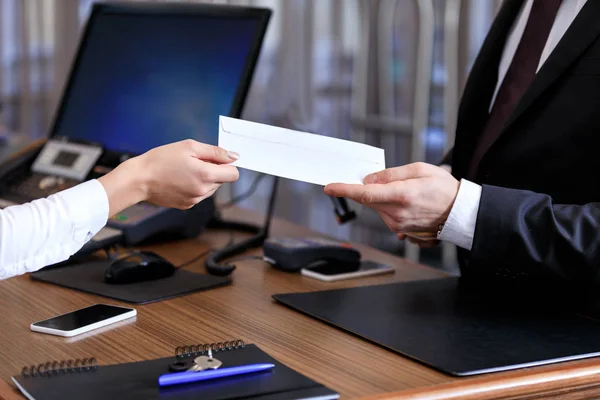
x=138 y=266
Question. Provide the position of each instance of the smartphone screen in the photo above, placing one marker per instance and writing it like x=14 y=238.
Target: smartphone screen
x=339 y=268
x=83 y=317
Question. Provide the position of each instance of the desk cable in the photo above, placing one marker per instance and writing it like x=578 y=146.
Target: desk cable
x=213 y=261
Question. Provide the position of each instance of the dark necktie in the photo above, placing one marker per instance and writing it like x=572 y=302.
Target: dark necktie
x=519 y=76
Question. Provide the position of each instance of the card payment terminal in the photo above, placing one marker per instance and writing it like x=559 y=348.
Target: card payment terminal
x=293 y=254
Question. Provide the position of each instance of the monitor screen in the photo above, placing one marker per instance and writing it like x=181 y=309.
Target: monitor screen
x=146 y=79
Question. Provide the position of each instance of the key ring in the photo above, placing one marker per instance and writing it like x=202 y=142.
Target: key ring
x=186 y=365
x=180 y=366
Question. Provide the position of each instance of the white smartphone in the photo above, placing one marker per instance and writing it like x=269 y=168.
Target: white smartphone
x=336 y=272
x=83 y=320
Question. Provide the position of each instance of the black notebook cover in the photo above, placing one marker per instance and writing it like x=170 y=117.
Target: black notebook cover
x=456 y=330
x=89 y=277
x=139 y=380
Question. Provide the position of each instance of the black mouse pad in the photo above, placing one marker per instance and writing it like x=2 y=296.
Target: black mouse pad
x=89 y=277
x=455 y=331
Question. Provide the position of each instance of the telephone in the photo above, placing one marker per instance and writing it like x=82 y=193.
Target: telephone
x=59 y=165
x=293 y=254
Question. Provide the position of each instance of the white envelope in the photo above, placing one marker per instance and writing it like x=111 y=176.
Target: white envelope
x=298 y=155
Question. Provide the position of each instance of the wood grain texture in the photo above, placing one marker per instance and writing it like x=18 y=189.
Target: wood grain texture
x=7 y=392
x=243 y=310
x=568 y=380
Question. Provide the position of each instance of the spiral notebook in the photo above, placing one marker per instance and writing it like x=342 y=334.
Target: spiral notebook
x=84 y=379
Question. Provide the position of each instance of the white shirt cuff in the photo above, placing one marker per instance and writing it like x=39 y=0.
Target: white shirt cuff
x=459 y=229
x=87 y=204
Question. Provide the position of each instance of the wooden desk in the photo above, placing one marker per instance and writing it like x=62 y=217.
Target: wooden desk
x=246 y=311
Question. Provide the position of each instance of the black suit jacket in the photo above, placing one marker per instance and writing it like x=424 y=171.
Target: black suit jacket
x=539 y=214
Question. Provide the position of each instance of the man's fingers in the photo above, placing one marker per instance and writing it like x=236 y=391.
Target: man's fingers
x=364 y=194
x=409 y=171
x=424 y=240
x=424 y=244
x=206 y=152
x=422 y=235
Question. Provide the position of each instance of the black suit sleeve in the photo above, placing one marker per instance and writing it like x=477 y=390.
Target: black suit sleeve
x=522 y=228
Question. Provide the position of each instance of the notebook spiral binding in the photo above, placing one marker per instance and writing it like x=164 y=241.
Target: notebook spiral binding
x=51 y=368
x=200 y=349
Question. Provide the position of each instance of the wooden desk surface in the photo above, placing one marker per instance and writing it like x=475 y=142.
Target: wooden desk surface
x=245 y=310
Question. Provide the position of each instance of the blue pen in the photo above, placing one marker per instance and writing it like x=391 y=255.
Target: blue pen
x=189 y=377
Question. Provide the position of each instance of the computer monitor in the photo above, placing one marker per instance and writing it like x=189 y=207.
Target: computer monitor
x=150 y=74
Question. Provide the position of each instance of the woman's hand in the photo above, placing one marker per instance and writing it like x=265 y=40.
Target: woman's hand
x=177 y=175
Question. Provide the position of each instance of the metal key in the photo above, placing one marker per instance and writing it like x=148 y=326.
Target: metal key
x=202 y=363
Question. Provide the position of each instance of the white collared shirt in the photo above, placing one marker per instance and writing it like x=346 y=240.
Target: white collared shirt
x=48 y=231
x=460 y=226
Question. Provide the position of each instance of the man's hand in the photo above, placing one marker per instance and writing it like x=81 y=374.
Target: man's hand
x=412 y=198
x=424 y=244
x=177 y=175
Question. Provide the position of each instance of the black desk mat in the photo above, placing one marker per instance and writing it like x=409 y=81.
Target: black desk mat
x=89 y=277
x=455 y=331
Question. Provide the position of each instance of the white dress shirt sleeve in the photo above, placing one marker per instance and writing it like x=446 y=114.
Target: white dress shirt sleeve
x=459 y=229
x=48 y=231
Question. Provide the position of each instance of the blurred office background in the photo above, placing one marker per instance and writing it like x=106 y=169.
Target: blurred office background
x=383 y=72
